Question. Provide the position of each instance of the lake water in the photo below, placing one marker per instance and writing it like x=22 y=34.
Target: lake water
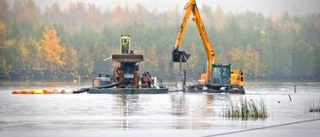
x=172 y=114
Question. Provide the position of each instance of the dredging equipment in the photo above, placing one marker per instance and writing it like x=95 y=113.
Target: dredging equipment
x=218 y=77
x=126 y=76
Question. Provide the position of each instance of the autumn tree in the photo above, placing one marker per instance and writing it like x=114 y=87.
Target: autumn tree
x=52 y=48
x=24 y=54
x=2 y=31
x=5 y=46
x=248 y=59
x=71 y=66
x=252 y=63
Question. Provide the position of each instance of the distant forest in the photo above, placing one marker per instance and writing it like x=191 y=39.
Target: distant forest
x=72 y=41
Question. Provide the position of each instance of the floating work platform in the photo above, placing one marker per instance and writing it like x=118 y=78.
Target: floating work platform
x=232 y=91
x=128 y=91
x=113 y=88
x=126 y=78
x=215 y=89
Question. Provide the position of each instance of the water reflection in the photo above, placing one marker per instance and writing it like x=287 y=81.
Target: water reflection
x=207 y=108
x=181 y=104
x=181 y=111
x=178 y=104
x=126 y=105
x=124 y=111
x=195 y=111
x=128 y=112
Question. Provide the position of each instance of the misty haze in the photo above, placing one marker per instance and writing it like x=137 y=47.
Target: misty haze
x=278 y=44
x=147 y=68
x=294 y=7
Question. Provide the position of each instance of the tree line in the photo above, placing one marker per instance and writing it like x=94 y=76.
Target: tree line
x=73 y=41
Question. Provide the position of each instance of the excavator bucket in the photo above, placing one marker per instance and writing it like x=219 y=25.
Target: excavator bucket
x=179 y=56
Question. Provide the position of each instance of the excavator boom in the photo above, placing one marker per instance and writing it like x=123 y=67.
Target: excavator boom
x=217 y=77
x=191 y=7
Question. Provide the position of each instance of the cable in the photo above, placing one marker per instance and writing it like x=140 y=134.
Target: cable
x=260 y=128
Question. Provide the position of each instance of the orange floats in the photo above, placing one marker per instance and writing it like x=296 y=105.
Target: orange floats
x=48 y=91
x=27 y=92
x=24 y=91
x=17 y=92
x=32 y=91
x=37 y=91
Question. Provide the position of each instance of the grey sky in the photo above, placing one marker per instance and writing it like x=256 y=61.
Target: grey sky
x=299 y=7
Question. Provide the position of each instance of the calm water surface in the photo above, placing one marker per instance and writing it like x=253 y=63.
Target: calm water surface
x=172 y=114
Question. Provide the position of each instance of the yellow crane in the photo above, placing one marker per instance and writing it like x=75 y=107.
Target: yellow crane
x=217 y=77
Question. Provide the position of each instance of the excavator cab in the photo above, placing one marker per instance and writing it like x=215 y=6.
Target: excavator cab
x=224 y=79
x=221 y=74
x=179 y=56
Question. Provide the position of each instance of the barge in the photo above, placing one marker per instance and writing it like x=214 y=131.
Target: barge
x=126 y=77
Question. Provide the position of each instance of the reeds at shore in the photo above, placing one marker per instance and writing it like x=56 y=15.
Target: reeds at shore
x=315 y=108
x=246 y=109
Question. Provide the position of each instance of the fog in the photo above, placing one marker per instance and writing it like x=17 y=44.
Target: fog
x=295 y=7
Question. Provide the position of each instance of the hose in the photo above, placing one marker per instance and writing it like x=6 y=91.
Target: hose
x=105 y=86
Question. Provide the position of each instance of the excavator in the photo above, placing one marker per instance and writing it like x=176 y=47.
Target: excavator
x=218 y=78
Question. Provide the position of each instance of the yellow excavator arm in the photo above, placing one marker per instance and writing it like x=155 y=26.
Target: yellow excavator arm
x=218 y=77
x=191 y=7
